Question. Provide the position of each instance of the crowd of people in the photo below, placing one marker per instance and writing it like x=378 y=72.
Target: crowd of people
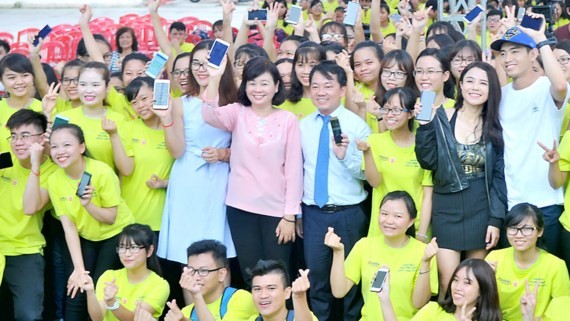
x=302 y=156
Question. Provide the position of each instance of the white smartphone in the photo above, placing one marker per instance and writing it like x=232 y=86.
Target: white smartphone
x=161 y=94
x=217 y=53
x=426 y=100
x=294 y=15
x=473 y=13
x=395 y=18
x=379 y=280
x=156 y=64
x=351 y=13
x=521 y=14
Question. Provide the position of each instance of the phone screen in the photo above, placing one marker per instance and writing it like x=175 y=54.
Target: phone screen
x=217 y=53
x=337 y=132
x=85 y=180
x=161 y=94
x=42 y=34
x=260 y=14
x=294 y=15
x=395 y=18
x=427 y=99
x=531 y=23
x=473 y=13
x=59 y=120
x=379 y=280
x=521 y=13
x=6 y=160
x=156 y=65
x=351 y=13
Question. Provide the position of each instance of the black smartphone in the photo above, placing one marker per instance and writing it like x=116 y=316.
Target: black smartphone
x=337 y=132
x=83 y=183
x=42 y=34
x=59 y=120
x=6 y=160
x=260 y=14
x=379 y=280
x=426 y=100
x=531 y=23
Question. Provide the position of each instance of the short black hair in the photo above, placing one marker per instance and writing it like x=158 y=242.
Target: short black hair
x=218 y=24
x=5 y=45
x=134 y=56
x=81 y=50
x=17 y=63
x=214 y=247
x=332 y=46
x=329 y=68
x=177 y=25
x=254 y=68
x=264 y=267
x=494 y=12
x=132 y=90
x=27 y=117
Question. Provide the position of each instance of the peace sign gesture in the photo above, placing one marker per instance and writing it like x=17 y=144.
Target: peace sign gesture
x=528 y=302
x=466 y=315
x=550 y=155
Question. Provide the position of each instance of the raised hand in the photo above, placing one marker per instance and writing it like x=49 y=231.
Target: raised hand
x=109 y=126
x=174 y=314
x=536 y=35
x=431 y=250
x=362 y=145
x=153 y=5
x=550 y=155
x=50 y=99
x=36 y=155
x=301 y=285
x=420 y=19
x=340 y=149
x=272 y=16
x=333 y=241
x=86 y=14
x=465 y=314
x=110 y=292
x=189 y=283
x=228 y=7
x=528 y=302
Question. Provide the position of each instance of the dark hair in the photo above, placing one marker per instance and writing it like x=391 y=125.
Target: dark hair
x=563 y=45
x=218 y=24
x=404 y=62
x=407 y=98
x=439 y=27
x=284 y=3
x=214 y=247
x=283 y=60
x=448 y=88
x=520 y=212
x=254 y=68
x=227 y=91
x=50 y=74
x=75 y=131
x=466 y=44
x=116 y=74
x=142 y=235
x=334 y=26
x=81 y=50
x=177 y=25
x=315 y=3
x=133 y=56
x=100 y=67
x=249 y=50
x=487 y=304
x=132 y=90
x=367 y=44
x=265 y=267
x=492 y=129
x=180 y=56
x=307 y=50
x=120 y=32
x=332 y=46
x=444 y=41
x=408 y=201
x=5 y=45
x=71 y=64
x=494 y=12
x=329 y=68
x=298 y=39
x=27 y=117
x=17 y=63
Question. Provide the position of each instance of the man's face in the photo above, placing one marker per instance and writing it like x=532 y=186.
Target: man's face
x=212 y=280
x=269 y=294
x=22 y=138
x=326 y=93
x=516 y=59
x=179 y=35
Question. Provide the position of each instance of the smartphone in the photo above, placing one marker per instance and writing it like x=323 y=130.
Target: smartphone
x=351 y=13
x=294 y=15
x=156 y=64
x=161 y=94
x=337 y=132
x=42 y=34
x=85 y=180
x=395 y=18
x=521 y=14
x=217 y=53
x=260 y=14
x=59 y=120
x=473 y=13
x=426 y=100
x=531 y=23
x=6 y=160
x=379 y=280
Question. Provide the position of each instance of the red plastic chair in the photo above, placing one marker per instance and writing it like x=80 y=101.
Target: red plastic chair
x=23 y=51
x=128 y=19
x=202 y=25
x=68 y=42
x=188 y=20
x=62 y=29
x=8 y=37
x=53 y=52
x=19 y=45
x=23 y=34
x=193 y=38
x=102 y=22
x=145 y=35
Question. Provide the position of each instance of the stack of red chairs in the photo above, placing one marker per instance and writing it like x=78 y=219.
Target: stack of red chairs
x=8 y=37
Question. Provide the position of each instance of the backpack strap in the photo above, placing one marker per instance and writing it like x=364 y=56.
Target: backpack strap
x=226 y=296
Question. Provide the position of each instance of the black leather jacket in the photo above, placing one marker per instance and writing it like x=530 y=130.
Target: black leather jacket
x=436 y=151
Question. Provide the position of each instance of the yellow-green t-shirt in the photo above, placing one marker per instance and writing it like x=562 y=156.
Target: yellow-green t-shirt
x=557 y=310
x=240 y=307
x=289 y=29
x=302 y=108
x=153 y=290
x=151 y=157
x=187 y=47
x=254 y=318
x=107 y=193
x=330 y=6
x=371 y=253
x=564 y=164
x=390 y=28
x=548 y=271
x=432 y=312
x=119 y=104
x=449 y=103
x=20 y=233
x=488 y=40
x=366 y=16
x=565 y=121
x=400 y=171
x=97 y=140
x=371 y=119
x=5 y=113
x=61 y=105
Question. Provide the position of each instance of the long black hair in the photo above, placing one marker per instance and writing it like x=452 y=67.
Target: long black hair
x=142 y=235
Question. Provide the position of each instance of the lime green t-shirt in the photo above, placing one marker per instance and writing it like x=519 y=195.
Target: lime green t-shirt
x=61 y=105
x=390 y=28
x=289 y=28
x=548 y=271
x=119 y=104
x=5 y=113
x=557 y=310
x=187 y=47
x=371 y=119
x=2 y=267
x=107 y=193
x=330 y=6
x=97 y=140
x=153 y=290
x=433 y=311
x=301 y=109
x=254 y=318
x=151 y=157
x=371 y=253
x=565 y=121
x=240 y=307
x=449 y=103
x=400 y=171
x=20 y=233
x=564 y=164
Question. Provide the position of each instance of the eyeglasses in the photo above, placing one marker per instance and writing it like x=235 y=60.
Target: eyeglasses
x=197 y=65
x=495 y=20
x=133 y=249
x=397 y=74
x=394 y=111
x=23 y=136
x=177 y=72
x=563 y=60
x=429 y=73
x=458 y=60
x=525 y=231
x=67 y=81
x=202 y=272
x=329 y=36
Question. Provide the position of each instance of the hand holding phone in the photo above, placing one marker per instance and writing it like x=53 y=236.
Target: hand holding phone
x=351 y=13
x=161 y=94
x=83 y=183
x=379 y=280
x=471 y=15
x=531 y=23
x=259 y=14
x=426 y=100
x=294 y=15
x=218 y=53
x=395 y=18
x=6 y=160
x=156 y=65
x=337 y=132
x=42 y=35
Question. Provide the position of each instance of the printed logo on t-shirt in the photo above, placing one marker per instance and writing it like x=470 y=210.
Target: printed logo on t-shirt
x=408 y=267
x=412 y=163
x=161 y=145
x=373 y=264
x=103 y=136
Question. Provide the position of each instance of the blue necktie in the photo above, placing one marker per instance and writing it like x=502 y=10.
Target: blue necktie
x=322 y=168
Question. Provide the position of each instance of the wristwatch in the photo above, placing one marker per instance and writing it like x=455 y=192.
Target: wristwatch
x=115 y=306
x=542 y=44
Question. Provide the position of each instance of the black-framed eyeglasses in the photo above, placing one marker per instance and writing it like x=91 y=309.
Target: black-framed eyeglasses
x=525 y=231
x=23 y=136
x=458 y=60
x=394 y=111
x=197 y=65
x=133 y=249
x=66 y=81
x=177 y=72
x=563 y=60
x=202 y=272
x=397 y=74
x=430 y=72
